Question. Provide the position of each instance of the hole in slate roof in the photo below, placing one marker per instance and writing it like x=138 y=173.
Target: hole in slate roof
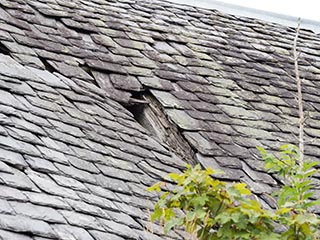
x=151 y=116
x=137 y=106
x=47 y=66
x=4 y=49
x=87 y=69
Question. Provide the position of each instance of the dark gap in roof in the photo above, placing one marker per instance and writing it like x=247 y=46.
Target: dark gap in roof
x=152 y=117
x=4 y=49
x=47 y=66
x=87 y=69
x=136 y=106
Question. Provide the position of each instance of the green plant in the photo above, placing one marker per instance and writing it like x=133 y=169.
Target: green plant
x=212 y=209
x=294 y=198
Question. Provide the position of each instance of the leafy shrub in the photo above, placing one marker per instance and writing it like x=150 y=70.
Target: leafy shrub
x=212 y=209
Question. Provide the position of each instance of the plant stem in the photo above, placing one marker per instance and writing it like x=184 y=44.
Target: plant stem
x=299 y=88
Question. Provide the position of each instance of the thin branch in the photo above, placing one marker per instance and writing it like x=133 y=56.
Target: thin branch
x=299 y=89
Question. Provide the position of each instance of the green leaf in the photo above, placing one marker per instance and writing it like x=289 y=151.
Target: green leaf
x=242 y=188
x=155 y=187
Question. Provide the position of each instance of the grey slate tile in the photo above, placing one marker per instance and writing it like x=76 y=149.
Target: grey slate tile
x=47 y=200
x=53 y=155
x=8 y=235
x=37 y=212
x=77 y=174
x=9 y=100
x=19 y=180
x=119 y=229
x=13 y=159
x=99 y=235
x=113 y=184
x=69 y=182
x=49 y=186
x=26 y=225
x=65 y=231
x=82 y=220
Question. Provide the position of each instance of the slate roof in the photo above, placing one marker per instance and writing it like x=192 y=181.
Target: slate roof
x=75 y=162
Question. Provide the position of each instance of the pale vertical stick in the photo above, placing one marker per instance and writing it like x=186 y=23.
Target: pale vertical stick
x=299 y=89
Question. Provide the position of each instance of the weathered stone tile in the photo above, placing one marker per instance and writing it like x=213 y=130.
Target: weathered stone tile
x=47 y=200
x=48 y=78
x=228 y=174
x=119 y=229
x=167 y=99
x=83 y=165
x=91 y=153
x=38 y=212
x=82 y=220
x=66 y=128
x=258 y=188
x=24 y=224
x=258 y=176
x=69 y=232
x=12 y=158
x=69 y=183
x=23 y=135
x=53 y=155
x=95 y=200
x=9 y=100
x=99 y=235
x=106 y=66
x=125 y=82
x=254 y=132
x=21 y=88
x=49 y=186
x=102 y=192
x=117 y=173
x=203 y=145
x=9 y=193
x=41 y=165
x=82 y=207
x=18 y=179
x=27 y=126
x=6 y=235
x=235 y=150
x=164 y=47
x=113 y=184
x=183 y=120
